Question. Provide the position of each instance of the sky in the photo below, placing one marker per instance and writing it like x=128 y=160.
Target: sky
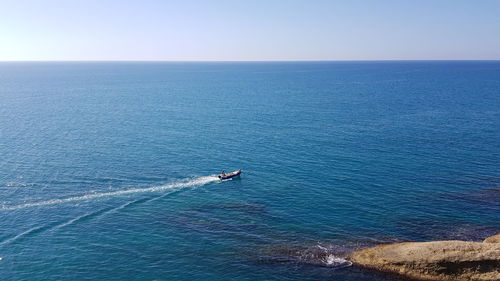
x=251 y=30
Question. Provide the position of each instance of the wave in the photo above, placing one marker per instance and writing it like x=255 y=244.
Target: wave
x=30 y=232
x=84 y=218
x=328 y=256
x=199 y=181
x=338 y=262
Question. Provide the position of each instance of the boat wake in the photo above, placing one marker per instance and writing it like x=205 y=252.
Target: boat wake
x=194 y=182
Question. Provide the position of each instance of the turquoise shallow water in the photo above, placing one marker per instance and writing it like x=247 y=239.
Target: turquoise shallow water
x=106 y=169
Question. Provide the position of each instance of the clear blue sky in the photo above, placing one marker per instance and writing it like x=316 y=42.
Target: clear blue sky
x=249 y=30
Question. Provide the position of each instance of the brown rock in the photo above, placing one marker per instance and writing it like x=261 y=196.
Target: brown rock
x=493 y=239
x=440 y=260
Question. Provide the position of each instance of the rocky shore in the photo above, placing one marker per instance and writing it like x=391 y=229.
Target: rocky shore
x=439 y=260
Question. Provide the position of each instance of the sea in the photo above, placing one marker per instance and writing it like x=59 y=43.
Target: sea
x=108 y=170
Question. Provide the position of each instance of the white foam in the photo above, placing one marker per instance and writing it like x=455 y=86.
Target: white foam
x=189 y=183
x=322 y=248
x=332 y=260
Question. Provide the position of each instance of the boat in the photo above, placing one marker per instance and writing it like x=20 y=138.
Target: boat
x=225 y=176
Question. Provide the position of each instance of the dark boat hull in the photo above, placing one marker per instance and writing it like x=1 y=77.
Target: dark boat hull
x=230 y=175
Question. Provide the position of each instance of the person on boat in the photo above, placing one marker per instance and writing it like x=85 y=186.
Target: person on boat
x=223 y=173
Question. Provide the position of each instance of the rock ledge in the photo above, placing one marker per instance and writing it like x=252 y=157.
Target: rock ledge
x=439 y=260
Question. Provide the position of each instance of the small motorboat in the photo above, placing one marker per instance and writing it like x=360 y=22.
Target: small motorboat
x=225 y=176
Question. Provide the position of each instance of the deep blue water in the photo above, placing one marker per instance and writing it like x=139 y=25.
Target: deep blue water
x=106 y=169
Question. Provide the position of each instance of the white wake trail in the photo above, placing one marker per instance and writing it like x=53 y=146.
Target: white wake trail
x=190 y=183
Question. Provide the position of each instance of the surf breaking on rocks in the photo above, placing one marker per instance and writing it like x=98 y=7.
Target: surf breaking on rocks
x=199 y=181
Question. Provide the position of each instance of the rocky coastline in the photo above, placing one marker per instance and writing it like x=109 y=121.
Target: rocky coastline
x=438 y=260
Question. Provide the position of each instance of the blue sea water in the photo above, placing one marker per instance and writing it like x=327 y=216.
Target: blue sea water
x=107 y=169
